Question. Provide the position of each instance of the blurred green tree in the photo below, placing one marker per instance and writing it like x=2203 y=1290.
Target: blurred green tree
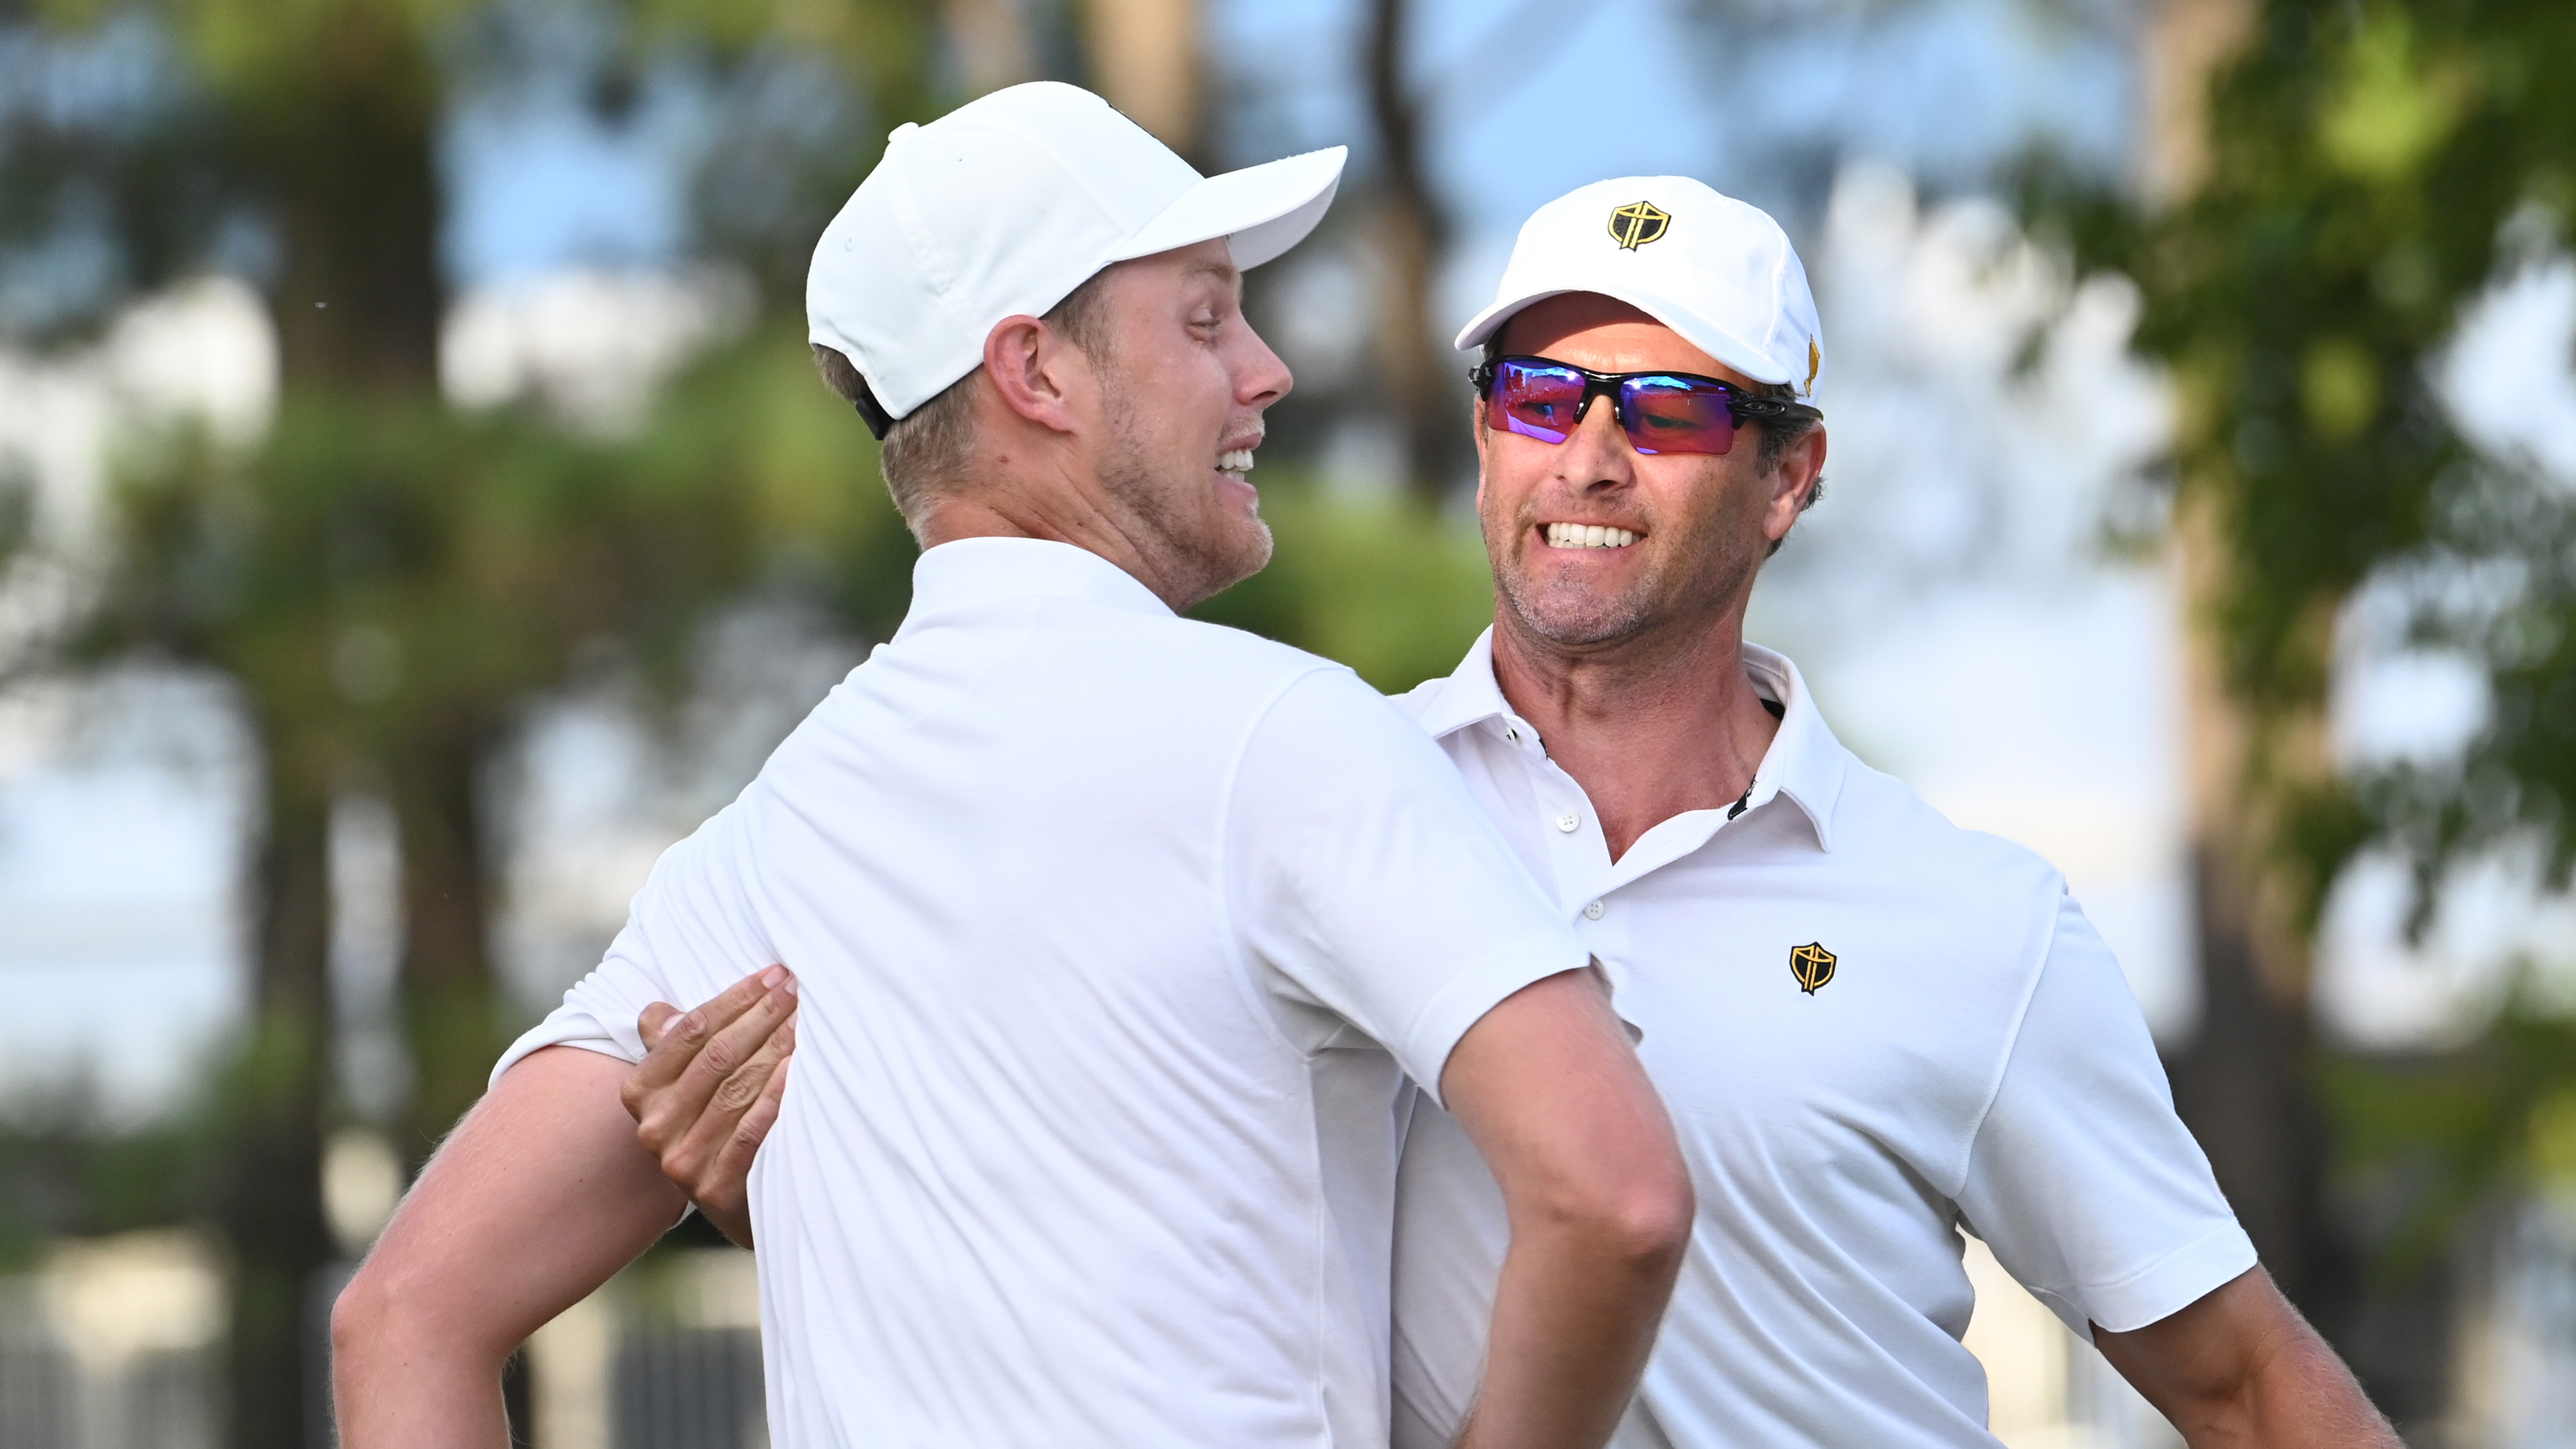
x=2352 y=177
x=387 y=582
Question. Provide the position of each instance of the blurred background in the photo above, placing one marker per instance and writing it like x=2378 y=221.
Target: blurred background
x=417 y=509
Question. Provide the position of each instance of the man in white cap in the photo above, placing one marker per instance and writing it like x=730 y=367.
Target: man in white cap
x=1117 y=935
x=1874 y=1029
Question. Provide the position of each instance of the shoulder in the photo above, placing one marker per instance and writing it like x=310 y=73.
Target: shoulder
x=1994 y=898
x=1889 y=826
x=1165 y=644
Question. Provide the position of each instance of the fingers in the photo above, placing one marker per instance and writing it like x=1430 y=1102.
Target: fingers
x=700 y=1161
x=696 y=1052
x=731 y=1167
x=680 y=1040
x=655 y=1020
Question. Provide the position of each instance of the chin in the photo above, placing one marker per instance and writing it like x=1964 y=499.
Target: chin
x=1569 y=615
x=1225 y=557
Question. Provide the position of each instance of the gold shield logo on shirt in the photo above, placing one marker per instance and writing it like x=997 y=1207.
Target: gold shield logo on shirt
x=1813 y=965
x=1638 y=223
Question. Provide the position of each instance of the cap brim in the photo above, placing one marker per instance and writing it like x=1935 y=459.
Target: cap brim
x=1708 y=337
x=1266 y=209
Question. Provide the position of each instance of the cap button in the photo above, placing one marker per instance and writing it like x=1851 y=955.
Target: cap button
x=906 y=129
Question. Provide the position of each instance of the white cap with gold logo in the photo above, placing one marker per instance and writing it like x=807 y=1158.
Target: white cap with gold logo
x=1712 y=268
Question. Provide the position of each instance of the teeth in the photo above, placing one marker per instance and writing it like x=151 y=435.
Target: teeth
x=1237 y=461
x=1587 y=535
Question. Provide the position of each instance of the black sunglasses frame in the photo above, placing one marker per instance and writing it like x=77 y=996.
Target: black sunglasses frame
x=1740 y=405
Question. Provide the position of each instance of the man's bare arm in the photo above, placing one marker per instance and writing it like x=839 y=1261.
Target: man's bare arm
x=538 y=1197
x=1551 y=1092
x=709 y=1087
x=2242 y=1368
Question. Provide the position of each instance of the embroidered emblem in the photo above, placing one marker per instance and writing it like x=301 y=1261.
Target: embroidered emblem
x=1815 y=364
x=1638 y=223
x=1813 y=965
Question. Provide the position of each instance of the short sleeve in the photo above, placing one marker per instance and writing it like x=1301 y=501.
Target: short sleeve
x=1365 y=879
x=2089 y=1189
x=691 y=932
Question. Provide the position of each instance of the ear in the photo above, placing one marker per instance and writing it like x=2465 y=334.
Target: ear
x=1794 y=483
x=1038 y=374
x=1476 y=423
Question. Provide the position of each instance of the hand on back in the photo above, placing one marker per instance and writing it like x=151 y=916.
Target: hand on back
x=708 y=1090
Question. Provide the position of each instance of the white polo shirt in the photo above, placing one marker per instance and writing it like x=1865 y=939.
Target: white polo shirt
x=1973 y=1061
x=1116 y=934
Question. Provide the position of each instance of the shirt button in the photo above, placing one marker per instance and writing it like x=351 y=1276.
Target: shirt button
x=1512 y=733
x=1594 y=910
x=1569 y=822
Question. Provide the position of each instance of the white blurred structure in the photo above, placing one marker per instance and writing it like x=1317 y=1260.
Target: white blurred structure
x=592 y=346
x=110 y=1344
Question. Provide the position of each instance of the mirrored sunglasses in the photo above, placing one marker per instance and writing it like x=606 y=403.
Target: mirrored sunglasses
x=1661 y=412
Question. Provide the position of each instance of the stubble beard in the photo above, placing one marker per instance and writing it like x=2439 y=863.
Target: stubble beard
x=1568 y=615
x=1200 y=550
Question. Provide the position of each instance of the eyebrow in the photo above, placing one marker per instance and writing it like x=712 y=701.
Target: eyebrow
x=1225 y=272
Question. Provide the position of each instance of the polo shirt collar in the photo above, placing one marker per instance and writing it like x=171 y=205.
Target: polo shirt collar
x=1804 y=762
x=985 y=570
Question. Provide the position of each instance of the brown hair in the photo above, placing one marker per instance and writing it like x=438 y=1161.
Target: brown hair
x=928 y=450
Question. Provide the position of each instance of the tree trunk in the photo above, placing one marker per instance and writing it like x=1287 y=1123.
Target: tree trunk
x=1144 y=57
x=452 y=1020
x=992 y=42
x=1423 y=380
x=333 y=109
x=270 y=1209
x=344 y=138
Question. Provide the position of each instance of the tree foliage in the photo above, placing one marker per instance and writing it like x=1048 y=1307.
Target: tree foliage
x=2372 y=170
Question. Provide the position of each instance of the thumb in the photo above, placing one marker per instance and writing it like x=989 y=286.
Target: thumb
x=654 y=1022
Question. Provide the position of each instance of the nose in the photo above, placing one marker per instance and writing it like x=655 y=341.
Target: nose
x=1596 y=453
x=1260 y=378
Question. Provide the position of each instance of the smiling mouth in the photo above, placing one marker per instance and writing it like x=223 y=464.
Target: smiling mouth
x=1587 y=535
x=1235 y=463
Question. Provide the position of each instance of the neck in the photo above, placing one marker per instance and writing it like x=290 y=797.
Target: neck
x=1651 y=726
x=1058 y=514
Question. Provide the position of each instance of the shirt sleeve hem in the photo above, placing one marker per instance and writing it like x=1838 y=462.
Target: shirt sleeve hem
x=1467 y=996
x=553 y=1033
x=2172 y=1283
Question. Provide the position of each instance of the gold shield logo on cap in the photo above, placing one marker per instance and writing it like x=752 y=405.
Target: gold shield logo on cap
x=1813 y=965
x=1815 y=364
x=1638 y=223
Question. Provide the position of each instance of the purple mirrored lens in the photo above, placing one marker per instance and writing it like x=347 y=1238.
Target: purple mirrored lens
x=1539 y=402
x=1676 y=415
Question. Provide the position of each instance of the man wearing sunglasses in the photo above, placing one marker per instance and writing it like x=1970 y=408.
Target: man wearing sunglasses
x=1874 y=1030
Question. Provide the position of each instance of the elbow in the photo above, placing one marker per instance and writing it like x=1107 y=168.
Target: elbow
x=356 y=1317
x=358 y=1332
x=363 y=1317
x=1652 y=1225
x=1636 y=1223
x=397 y=1316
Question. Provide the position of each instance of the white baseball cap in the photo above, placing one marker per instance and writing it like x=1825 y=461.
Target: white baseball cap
x=1717 y=271
x=1003 y=207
